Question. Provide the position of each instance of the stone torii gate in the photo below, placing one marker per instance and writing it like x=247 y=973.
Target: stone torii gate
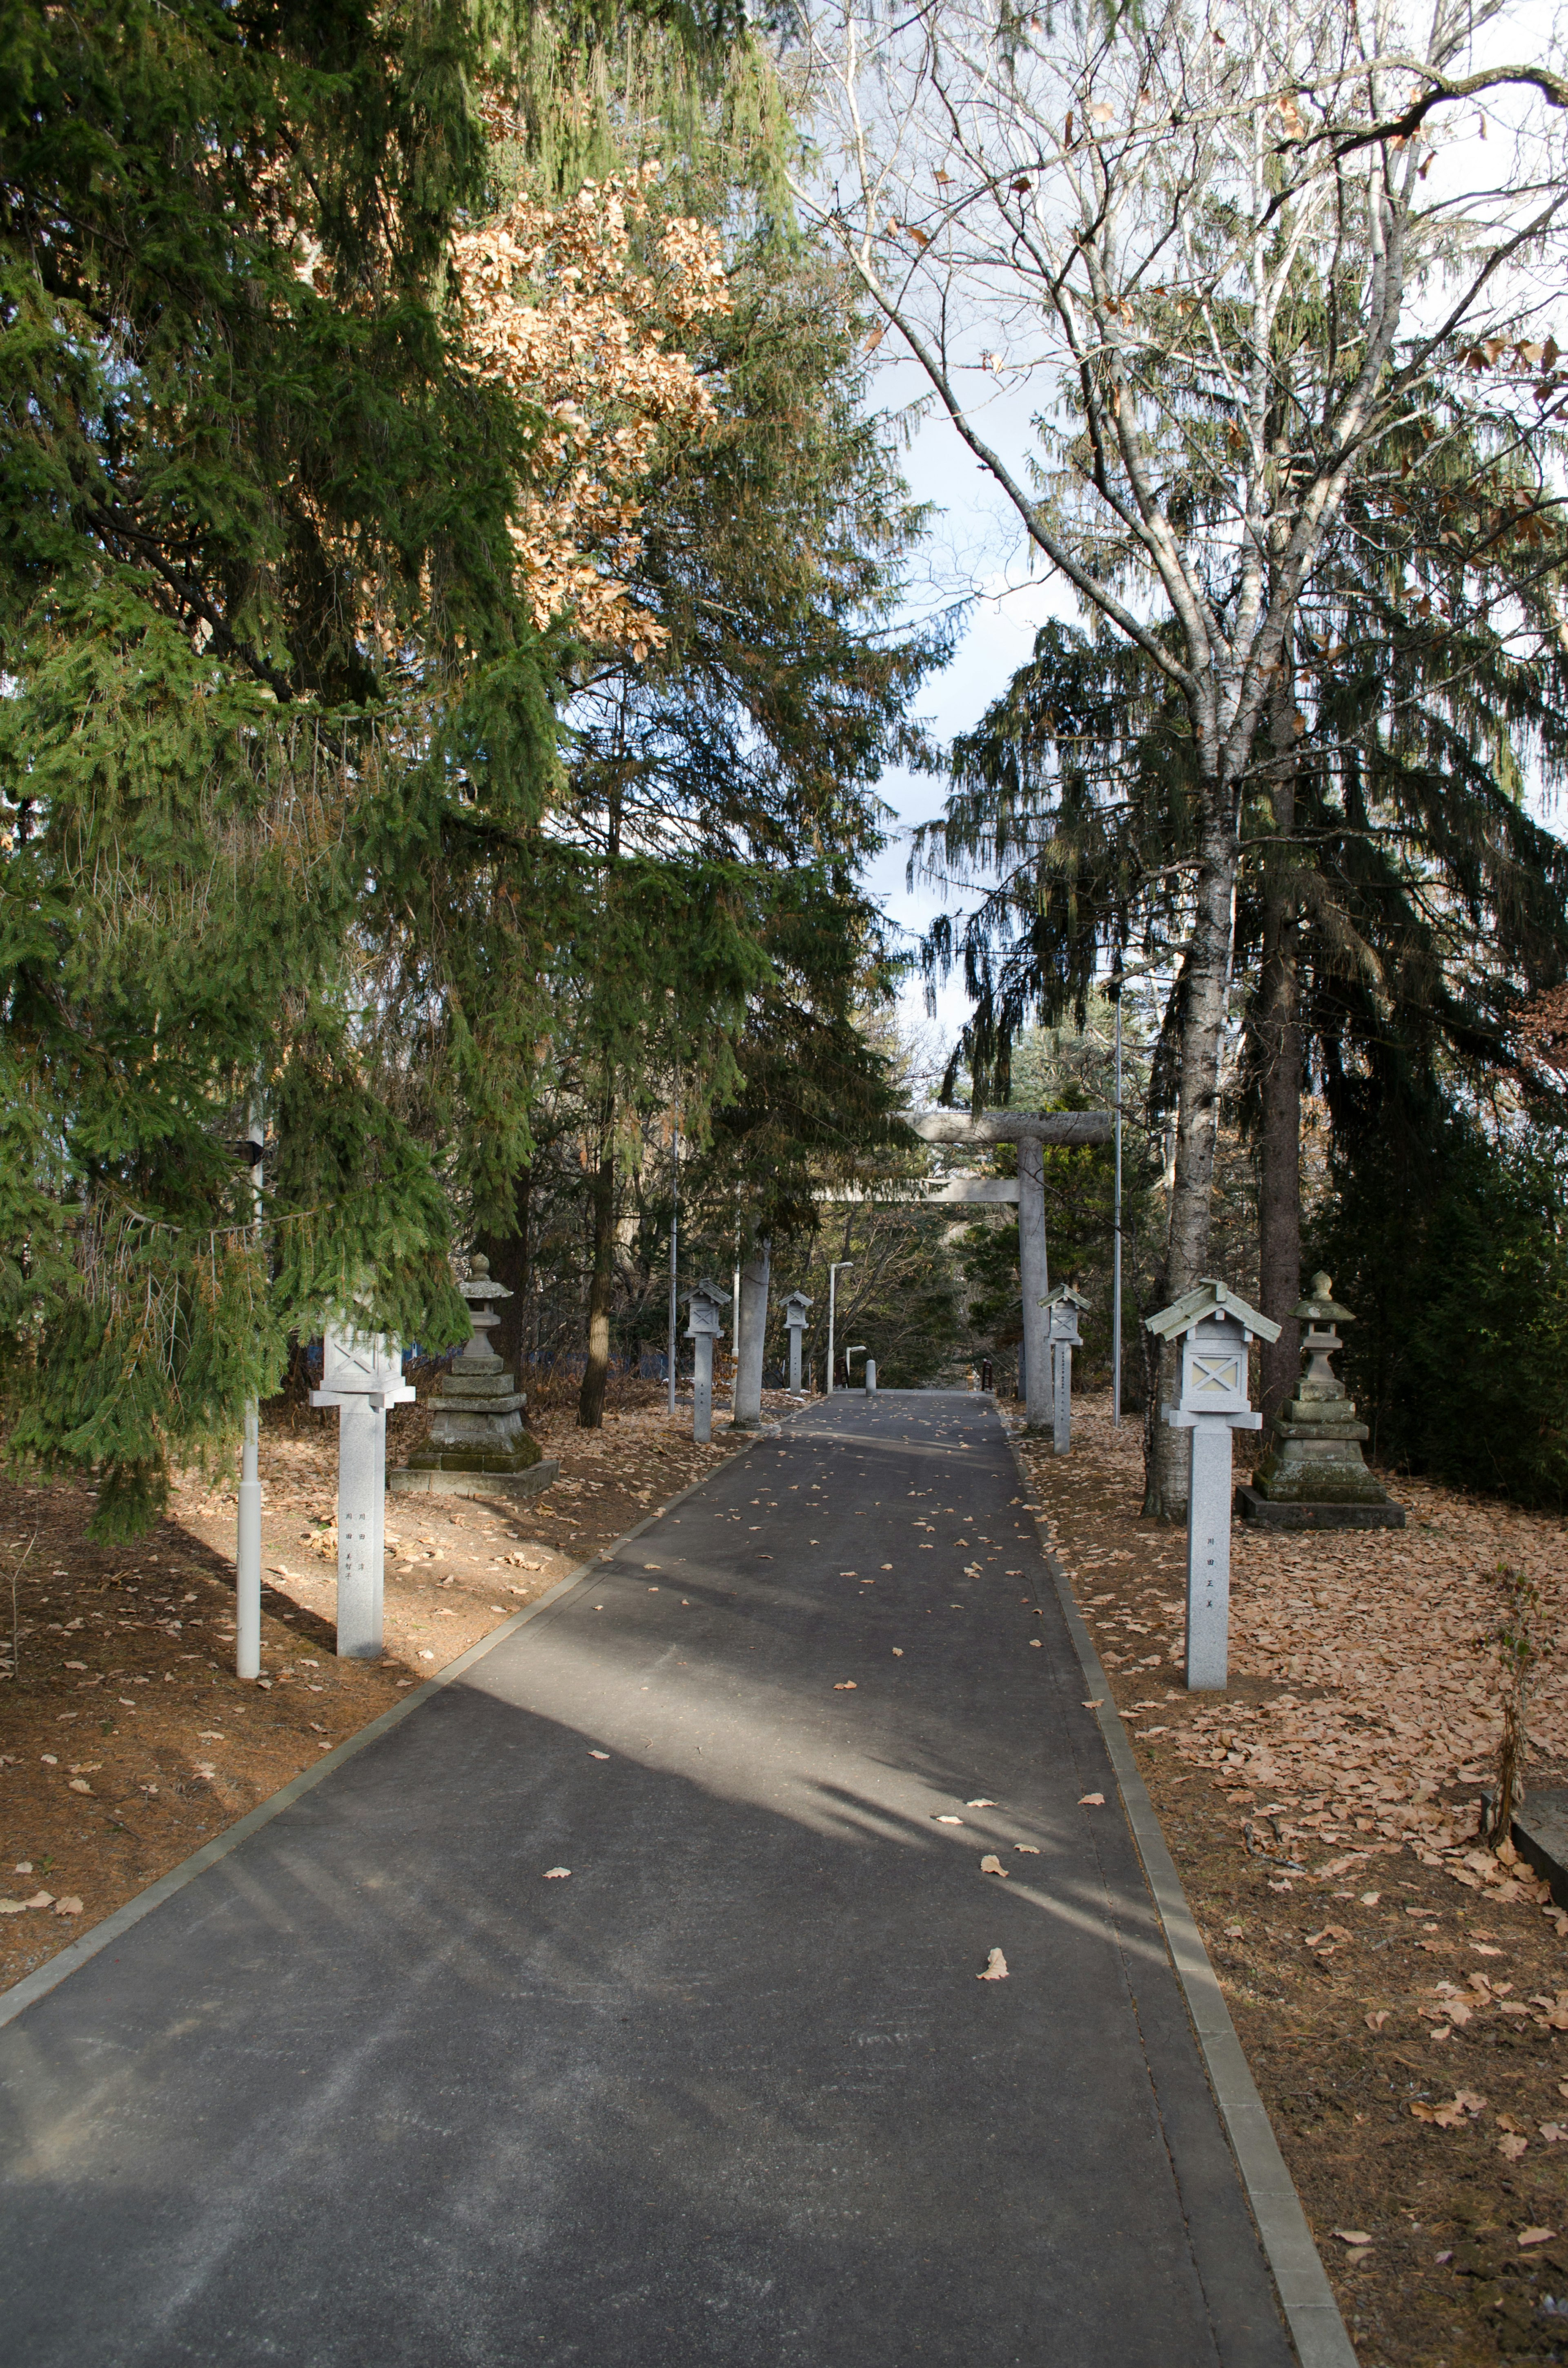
x=1031 y=1130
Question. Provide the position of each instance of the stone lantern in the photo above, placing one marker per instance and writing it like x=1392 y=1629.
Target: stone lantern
x=1313 y=1477
x=1215 y=1330
x=1063 y=1307
x=797 y=1307
x=705 y=1324
x=477 y=1445
x=361 y=1375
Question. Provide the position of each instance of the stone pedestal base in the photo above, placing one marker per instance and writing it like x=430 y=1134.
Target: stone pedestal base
x=411 y=1480
x=1295 y=1513
x=477 y=1432
x=1539 y=1834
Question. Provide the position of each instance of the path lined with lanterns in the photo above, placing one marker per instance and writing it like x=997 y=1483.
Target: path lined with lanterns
x=747 y=1957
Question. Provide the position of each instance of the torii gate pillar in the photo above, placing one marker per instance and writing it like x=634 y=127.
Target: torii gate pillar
x=1031 y=1130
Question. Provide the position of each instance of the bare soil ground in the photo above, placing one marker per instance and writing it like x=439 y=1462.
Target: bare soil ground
x=126 y=1740
x=1402 y=1995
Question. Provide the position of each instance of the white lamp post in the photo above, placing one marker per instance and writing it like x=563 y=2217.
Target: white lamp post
x=248 y=1541
x=675 y=1250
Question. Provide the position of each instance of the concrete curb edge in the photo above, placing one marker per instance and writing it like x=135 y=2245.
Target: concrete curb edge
x=1312 y=2314
x=37 y=1984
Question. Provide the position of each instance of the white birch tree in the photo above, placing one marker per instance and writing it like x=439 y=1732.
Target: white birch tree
x=1173 y=283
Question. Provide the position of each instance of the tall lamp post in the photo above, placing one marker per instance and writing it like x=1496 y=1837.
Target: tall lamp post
x=247 y=1544
x=675 y=1244
x=1115 y=1249
x=833 y=1274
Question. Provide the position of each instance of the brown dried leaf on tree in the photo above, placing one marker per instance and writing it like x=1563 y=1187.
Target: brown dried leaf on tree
x=557 y=306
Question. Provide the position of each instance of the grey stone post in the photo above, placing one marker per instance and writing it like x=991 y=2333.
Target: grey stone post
x=361 y=1528
x=1062 y=1307
x=871 y=1377
x=704 y=1326
x=796 y=1308
x=1215 y=1330
x=1209 y=1555
x=702 y=1387
x=1035 y=1279
x=747 y=1401
x=361 y=1375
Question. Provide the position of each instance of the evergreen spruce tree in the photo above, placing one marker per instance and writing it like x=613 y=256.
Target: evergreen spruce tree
x=243 y=482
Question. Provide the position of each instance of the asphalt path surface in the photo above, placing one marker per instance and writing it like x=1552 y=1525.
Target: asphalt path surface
x=379 y=2088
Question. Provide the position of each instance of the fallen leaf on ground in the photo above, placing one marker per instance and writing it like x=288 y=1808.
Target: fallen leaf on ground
x=1376 y=2021
x=79 y=1784
x=1352 y=2235
x=948 y=1821
x=995 y=1969
x=1028 y=1848
x=598 y=1755
x=69 y=1907
x=1091 y=1800
x=847 y=1686
x=1536 y=2236
x=898 y=1652
x=1451 y=2116
x=1036 y=1643
x=1554 y=2132
x=1098 y=1703
x=992 y=1864
x=555 y=1873
x=1512 y=2147
x=980 y=1804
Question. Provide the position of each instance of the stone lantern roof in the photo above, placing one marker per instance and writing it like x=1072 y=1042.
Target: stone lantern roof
x=1206 y=1300
x=1320 y=1306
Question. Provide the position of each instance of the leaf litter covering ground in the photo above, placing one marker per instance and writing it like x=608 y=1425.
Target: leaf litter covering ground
x=126 y=1740
x=1401 y=1993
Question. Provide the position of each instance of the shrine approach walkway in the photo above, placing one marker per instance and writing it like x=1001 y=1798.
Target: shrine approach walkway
x=379 y=2087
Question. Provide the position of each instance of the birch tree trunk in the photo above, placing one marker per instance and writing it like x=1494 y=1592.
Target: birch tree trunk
x=748 y=1402
x=1279 y=1040
x=1207 y=983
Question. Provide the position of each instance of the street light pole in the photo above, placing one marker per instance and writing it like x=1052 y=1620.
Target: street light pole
x=674 y=1244
x=247 y=1544
x=832 y=1310
x=1116 y=1251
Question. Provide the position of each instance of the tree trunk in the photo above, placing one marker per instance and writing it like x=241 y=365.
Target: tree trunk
x=748 y=1402
x=1208 y=982
x=511 y=1262
x=595 y=1372
x=1280 y=1042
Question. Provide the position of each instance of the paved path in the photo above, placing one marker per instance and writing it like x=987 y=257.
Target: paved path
x=375 y=2090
